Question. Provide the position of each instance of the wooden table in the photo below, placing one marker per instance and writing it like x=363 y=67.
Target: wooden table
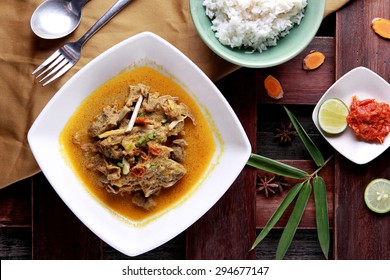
x=36 y=224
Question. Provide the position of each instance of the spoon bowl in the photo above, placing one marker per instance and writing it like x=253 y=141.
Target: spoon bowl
x=54 y=19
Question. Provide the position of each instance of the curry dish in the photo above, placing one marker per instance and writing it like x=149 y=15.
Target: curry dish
x=139 y=143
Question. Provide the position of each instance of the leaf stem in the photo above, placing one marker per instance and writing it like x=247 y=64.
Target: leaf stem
x=312 y=175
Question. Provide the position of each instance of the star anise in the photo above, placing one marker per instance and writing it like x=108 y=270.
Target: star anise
x=265 y=183
x=281 y=182
x=284 y=134
x=271 y=184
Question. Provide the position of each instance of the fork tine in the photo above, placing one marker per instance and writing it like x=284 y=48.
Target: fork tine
x=47 y=61
x=59 y=73
x=57 y=67
x=60 y=59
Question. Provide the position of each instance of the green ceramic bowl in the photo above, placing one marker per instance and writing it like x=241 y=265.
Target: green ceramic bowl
x=287 y=48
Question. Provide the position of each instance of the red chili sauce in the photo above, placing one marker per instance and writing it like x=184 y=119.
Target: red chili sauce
x=369 y=119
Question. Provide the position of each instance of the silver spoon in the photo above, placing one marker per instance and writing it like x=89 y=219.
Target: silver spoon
x=56 y=18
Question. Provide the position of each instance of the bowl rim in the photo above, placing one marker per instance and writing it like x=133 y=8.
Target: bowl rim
x=359 y=153
x=39 y=132
x=216 y=46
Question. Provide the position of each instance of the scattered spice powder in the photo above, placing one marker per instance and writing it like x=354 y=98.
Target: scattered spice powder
x=369 y=119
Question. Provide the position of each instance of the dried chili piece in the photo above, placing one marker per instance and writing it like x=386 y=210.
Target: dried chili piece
x=138 y=171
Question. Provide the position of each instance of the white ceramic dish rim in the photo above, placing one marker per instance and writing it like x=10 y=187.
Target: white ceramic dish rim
x=118 y=233
x=365 y=84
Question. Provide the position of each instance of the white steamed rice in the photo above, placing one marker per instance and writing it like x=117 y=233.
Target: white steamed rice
x=253 y=24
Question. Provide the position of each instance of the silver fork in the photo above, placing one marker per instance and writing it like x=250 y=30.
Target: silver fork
x=66 y=56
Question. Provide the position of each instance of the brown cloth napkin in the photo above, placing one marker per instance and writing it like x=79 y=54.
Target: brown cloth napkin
x=21 y=51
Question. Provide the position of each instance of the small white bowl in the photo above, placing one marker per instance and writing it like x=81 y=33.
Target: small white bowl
x=364 y=84
x=231 y=154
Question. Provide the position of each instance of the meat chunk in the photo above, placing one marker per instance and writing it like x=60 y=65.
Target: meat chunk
x=111 y=147
x=146 y=159
x=89 y=148
x=178 y=150
x=160 y=173
x=99 y=163
x=169 y=172
x=143 y=202
x=105 y=121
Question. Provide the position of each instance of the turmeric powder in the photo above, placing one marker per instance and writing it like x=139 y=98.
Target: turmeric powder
x=273 y=87
x=313 y=60
x=381 y=27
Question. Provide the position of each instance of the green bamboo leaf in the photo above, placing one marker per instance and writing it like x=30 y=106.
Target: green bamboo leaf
x=322 y=218
x=278 y=213
x=309 y=144
x=293 y=221
x=276 y=167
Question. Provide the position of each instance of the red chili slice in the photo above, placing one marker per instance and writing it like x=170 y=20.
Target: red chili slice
x=138 y=171
x=141 y=121
x=155 y=150
x=141 y=153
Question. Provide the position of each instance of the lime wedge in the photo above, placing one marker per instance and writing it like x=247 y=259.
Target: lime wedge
x=377 y=195
x=332 y=116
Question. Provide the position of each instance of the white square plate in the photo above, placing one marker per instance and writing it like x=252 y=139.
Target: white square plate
x=232 y=152
x=364 y=84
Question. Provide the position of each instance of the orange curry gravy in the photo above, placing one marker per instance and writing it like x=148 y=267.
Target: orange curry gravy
x=369 y=119
x=199 y=152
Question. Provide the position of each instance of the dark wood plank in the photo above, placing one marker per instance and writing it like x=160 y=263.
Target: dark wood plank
x=302 y=89
x=271 y=116
x=15 y=201
x=227 y=231
x=304 y=246
x=265 y=207
x=15 y=243
x=15 y=221
x=174 y=249
x=57 y=232
x=301 y=86
x=359 y=233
